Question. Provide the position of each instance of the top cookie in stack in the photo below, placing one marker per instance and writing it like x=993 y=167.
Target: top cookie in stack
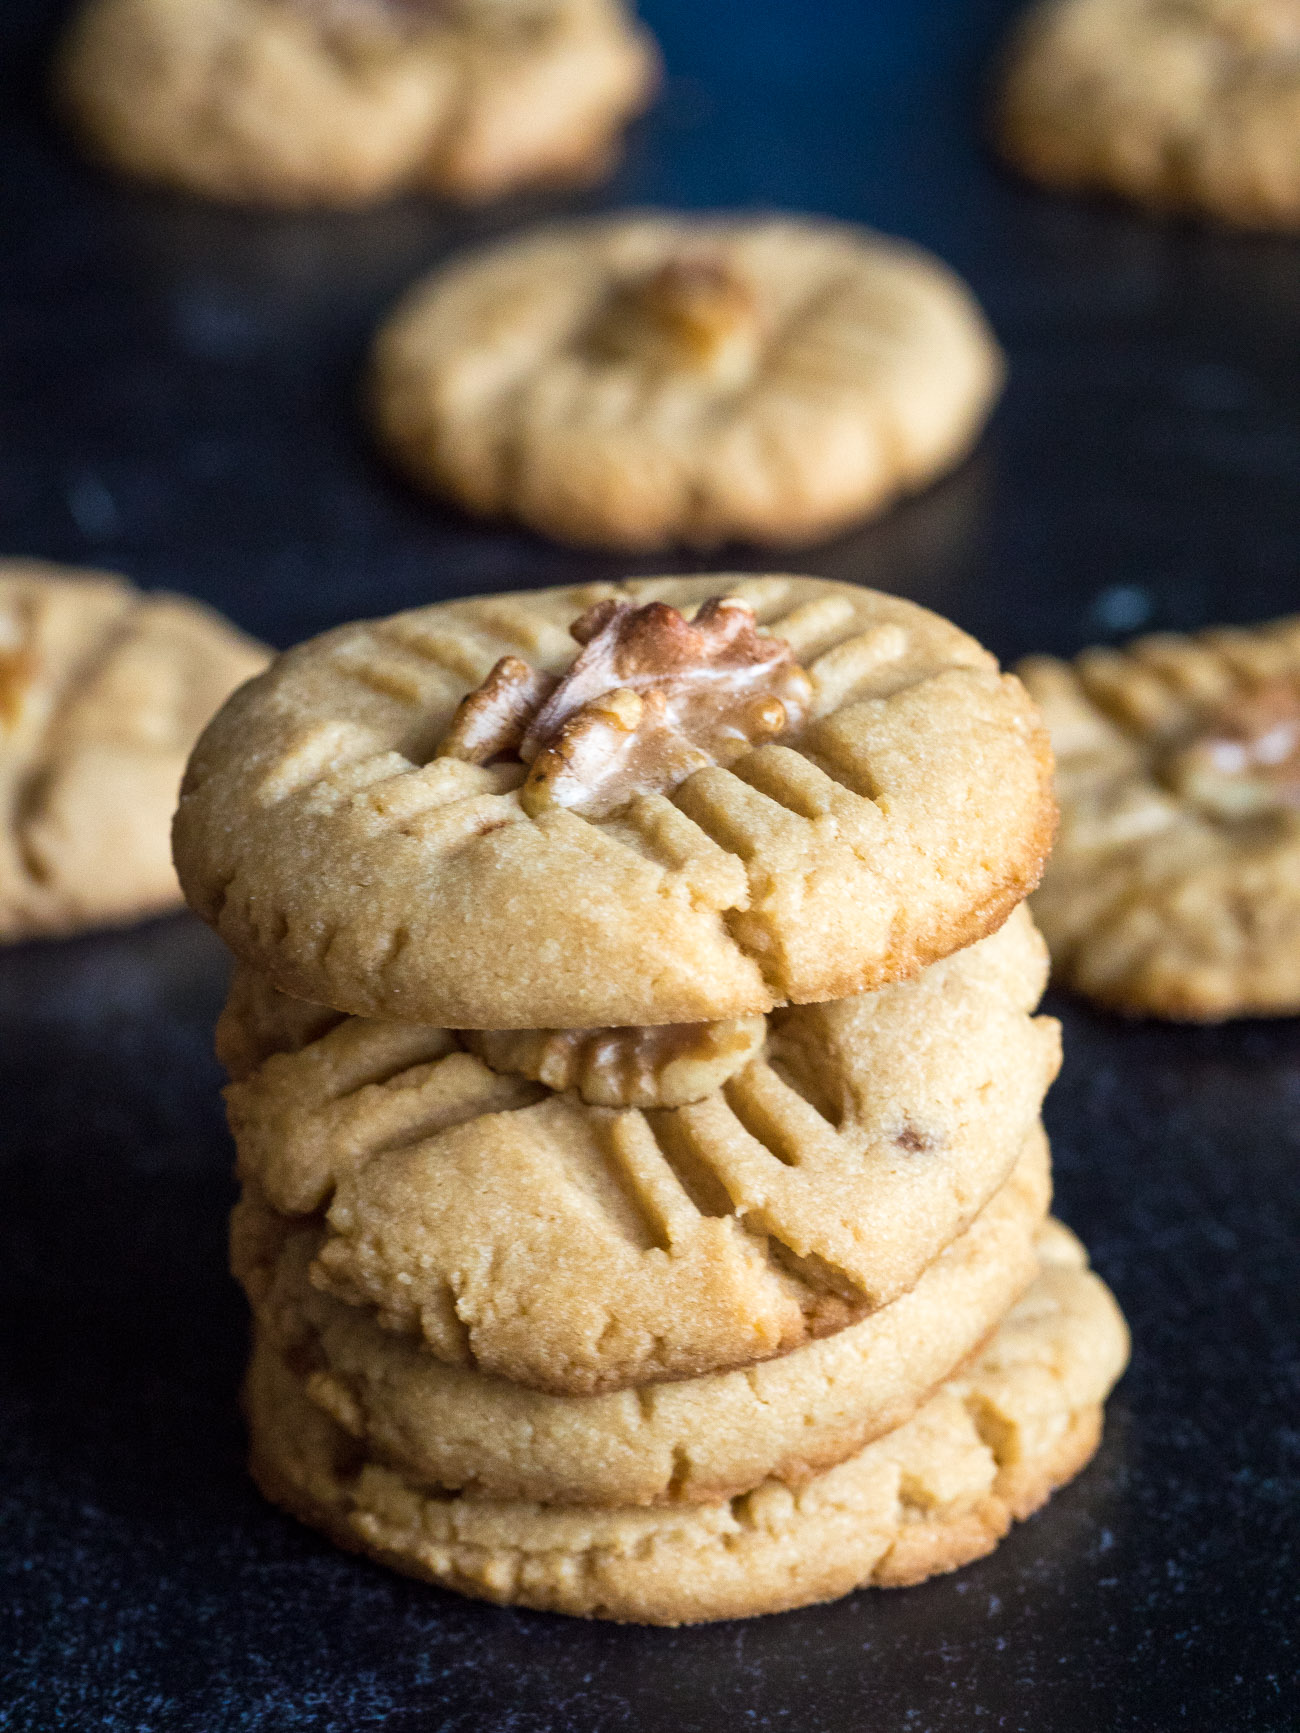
x=727 y=794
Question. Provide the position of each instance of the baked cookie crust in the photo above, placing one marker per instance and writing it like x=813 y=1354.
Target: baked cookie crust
x=1174 y=890
x=642 y=381
x=578 y=1249
x=989 y=1447
x=1189 y=106
x=345 y=102
x=335 y=851
x=692 y=1441
x=102 y=692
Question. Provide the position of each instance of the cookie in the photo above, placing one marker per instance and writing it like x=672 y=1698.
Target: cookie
x=343 y=102
x=1182 y=105
x=692 y=1441
x=577 y=1249
x=989 y=1447
x=638 y=381
x=1175 y=887
x=102 y=693
x=711 y=820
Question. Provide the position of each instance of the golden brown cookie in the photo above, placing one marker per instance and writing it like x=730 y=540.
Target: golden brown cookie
x=577 y=1248
x=638 y=381
x=342 y=102
x=1174 y=890
x=1182 y=105
x=102 y=692
x=715 y=821
x=692 y=1441
x=942 y=1489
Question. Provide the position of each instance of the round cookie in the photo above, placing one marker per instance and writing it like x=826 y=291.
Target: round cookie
x=691 y=1441
x=1181 y=105
x=638 y=381
x=103 y=691
x=1174 y=890
x=578 y=1249
x=343 y=102
x=942 y=1489
x=335 y=842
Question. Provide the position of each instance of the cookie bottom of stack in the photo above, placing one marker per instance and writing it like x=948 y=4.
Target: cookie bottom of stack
x=1021 y=1418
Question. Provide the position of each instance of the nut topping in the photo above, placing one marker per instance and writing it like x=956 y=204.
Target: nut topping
x=665 y=1066
x=17 y=671
x=490 y=721
x=18 y=667
x=1246 y=761
x=692 y=314
x=650 y=698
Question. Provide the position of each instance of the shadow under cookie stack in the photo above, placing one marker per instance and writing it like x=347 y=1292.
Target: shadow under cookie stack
x=636 y=1090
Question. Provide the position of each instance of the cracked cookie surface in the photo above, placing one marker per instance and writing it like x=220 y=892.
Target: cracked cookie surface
x=344 y=102
x=690 y=1441
x=103 y=691
x=1174 y=890
x=639 y=381
x=943 y=1488
x=1182 y=105
x=336 y=852
x=578 y=1249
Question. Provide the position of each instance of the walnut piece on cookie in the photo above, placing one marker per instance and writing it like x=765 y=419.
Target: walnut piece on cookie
x=103 y=691
x=651 y=698
x=639 y=381
x=1190 y=106
x=654 y=1065
x=577 y=1248
x=1244 y=760
x=685 y=1441
x=365 y=846
x=1174 y=890
x=345 y=102
x=692 y=315
x=941 y=1489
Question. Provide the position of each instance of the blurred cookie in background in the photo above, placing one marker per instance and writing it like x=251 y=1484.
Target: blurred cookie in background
x=103 y=691
x=1174 y=890
x=1181 y=105
x=654 y=379
x=344 y=102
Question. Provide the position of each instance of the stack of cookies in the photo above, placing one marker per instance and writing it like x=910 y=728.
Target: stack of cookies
x=636 y=1089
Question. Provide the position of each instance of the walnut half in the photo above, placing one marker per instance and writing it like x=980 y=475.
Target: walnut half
x=664 y=1066
x=18 y=668
x=650 y=698
x=694 y=315
x=1246 y=760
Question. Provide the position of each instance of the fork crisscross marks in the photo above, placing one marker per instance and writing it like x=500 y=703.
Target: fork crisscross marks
x=895 y=1139
x=307 y=1118
x=582 y=1265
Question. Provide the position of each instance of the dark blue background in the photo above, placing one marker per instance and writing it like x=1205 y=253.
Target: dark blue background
x=177 y=391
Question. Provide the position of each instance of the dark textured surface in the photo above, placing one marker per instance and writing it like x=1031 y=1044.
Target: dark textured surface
x=176 y=400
